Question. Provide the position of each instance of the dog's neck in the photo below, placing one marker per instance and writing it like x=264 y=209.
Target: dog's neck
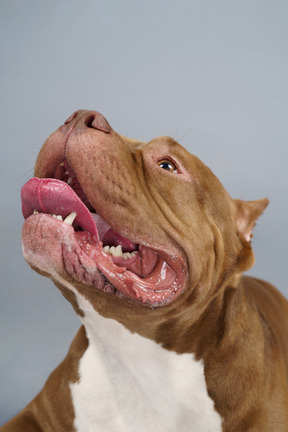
x=180 y=333
x=135 y=369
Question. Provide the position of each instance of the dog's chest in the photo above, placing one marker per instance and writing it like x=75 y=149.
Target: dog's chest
x=129 y=383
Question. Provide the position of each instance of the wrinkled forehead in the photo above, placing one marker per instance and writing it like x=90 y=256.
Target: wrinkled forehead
x=165 y=146
x=161 y=142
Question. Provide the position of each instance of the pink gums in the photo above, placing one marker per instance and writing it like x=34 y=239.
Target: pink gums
x=145 y=277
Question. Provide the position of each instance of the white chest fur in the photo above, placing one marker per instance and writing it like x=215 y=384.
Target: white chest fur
x=129 y=383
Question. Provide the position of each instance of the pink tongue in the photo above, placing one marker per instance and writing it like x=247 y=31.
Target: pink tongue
x=54 y=196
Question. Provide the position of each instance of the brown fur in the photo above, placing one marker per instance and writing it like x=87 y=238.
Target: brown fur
x=237 y=325
x=58 y=414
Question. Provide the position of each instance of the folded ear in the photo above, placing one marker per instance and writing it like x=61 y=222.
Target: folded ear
x=246 y=214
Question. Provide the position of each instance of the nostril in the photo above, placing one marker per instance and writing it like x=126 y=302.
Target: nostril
x=89 y=120
x=71 y=118
x=96 y=120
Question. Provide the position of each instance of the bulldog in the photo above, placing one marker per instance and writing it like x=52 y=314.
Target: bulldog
x=149 y=248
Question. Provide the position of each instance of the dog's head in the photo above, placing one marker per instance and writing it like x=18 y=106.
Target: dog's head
x=138 y=229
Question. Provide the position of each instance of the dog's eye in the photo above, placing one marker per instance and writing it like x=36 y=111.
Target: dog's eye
x=167 y=165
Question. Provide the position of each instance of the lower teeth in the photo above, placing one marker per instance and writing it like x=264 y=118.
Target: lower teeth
x=117 y=252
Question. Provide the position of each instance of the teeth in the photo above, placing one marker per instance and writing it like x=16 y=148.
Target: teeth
x=70 y=218
x=59 y=217
x=117 y=252
x=130 y=254
x=114 y=251
x=69 y=180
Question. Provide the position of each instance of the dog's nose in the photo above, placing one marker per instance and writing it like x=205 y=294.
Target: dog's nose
x=89 y=119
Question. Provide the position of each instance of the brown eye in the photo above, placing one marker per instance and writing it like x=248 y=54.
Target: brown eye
x=167 y=165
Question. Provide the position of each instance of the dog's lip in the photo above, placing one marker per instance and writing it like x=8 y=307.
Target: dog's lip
x=164 y=279
x=53 y=196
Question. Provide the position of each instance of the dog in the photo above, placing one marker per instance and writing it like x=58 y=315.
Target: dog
x=150 y=250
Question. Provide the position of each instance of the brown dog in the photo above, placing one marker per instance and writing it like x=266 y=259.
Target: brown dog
x=149 y=248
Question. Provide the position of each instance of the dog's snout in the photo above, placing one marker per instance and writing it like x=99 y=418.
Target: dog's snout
x=90 y=119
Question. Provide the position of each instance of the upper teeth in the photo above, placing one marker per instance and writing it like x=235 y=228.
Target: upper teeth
x=70 y=218
x=117 y=252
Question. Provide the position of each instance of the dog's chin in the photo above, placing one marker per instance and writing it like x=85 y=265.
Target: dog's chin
x=55 y=248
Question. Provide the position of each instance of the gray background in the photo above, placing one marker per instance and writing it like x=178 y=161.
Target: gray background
x=212 y=74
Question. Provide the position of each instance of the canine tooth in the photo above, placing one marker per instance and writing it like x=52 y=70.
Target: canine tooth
x=70 y=218
x=35 y=212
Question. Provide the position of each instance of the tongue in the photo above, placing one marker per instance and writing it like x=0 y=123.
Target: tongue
x=54 y=196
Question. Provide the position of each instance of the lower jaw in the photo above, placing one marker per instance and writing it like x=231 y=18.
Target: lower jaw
x=88 y=264
x=157 y=289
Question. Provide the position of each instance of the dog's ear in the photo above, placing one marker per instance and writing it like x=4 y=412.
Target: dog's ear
x=246 y=214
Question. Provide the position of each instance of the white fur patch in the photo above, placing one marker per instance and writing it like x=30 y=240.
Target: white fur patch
x=131 y=384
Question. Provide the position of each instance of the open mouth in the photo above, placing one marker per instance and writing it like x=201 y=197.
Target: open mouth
x=134 y=270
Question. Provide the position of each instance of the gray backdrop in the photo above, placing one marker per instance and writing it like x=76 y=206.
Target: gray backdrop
x=212 y=74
